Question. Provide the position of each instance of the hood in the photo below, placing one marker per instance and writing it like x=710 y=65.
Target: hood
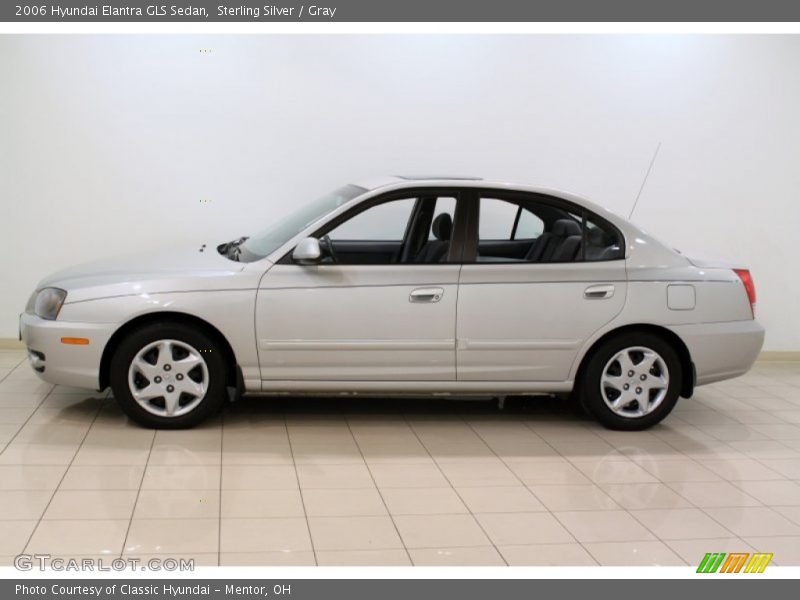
x=167 y=270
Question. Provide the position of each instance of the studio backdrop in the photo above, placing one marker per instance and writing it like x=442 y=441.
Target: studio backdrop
x=115 y=144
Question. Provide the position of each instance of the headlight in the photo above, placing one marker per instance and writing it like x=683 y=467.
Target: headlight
x=48 y=302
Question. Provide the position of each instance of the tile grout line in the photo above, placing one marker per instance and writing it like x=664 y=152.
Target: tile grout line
x=377 y=489
x=597 y=484
x=63 y=476
x=518 y=478
x=138 y=493
x=33 y=412
x=219 y=491
x=527 y=425
x=722 y=479
x=455 y=491
x=299 y=488
x=755 y=459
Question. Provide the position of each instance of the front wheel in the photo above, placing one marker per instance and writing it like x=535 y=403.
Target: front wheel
x=632 y=381
x=168 y=376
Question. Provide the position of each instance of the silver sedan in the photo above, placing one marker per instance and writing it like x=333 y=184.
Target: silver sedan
x=412 y=285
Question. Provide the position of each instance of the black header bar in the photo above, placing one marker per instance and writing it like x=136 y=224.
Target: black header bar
x=401 y=11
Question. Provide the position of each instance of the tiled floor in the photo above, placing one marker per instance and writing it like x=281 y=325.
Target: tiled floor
x=397 y=482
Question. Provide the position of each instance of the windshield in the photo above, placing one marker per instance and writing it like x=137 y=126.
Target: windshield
x=267 y=241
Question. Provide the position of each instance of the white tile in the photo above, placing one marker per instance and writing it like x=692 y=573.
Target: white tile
x=573 y=497
x=172 y=536
x=512 y=529
x=754 y=521
x=680 y=524
x=259 y=477
x=424 y=501
x=75 y=537
x=18 y=505
x=773 y=493
x=408 y=476
x=103 y=477
x=603 y=526
x=30 y=477
x=500 y=499
x=462 y=557
x=629 y=554
x=714 y=493
x=92 y=504
x=353 y=533
x=285 y=558
x=440 y=531
x=177 y=504
x=547 y=555
x=181 y=477
x=261 y=503
x=693 y=551
x=363 y=558
x=264 y=535
x=334 y=476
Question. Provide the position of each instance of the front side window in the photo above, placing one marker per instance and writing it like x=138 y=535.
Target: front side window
x=415 y=229
x=524 y=229
x=384 y=222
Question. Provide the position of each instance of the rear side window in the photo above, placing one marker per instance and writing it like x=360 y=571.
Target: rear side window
x=529 y=226
x=497 y=219
x=536 y=229
x=601 y=242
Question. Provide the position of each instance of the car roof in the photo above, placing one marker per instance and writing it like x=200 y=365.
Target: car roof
x=386 y=180
x=399 y=182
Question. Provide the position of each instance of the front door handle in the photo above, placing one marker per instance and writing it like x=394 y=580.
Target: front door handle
x=598 y=292
x=428 y=295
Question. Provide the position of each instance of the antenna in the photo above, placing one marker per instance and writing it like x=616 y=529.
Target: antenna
x=644 y=181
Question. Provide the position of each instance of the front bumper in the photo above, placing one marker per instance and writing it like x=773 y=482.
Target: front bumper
x=722 y=350
x=65 y=364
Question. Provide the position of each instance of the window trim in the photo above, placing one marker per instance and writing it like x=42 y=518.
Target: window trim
x=519 y=197
x=417 y=193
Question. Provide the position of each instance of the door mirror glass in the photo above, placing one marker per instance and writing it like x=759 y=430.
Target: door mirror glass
x=307 y=252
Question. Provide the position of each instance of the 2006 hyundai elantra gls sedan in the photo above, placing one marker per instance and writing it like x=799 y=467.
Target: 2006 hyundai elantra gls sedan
x=408 y=285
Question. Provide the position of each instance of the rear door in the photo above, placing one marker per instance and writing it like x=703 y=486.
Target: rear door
x=523 y=320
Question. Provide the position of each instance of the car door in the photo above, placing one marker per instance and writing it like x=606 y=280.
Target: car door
x=523 y=316
x=370 y=312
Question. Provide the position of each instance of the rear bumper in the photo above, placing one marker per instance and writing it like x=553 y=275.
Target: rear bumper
x=65 y=364
x=722 y=350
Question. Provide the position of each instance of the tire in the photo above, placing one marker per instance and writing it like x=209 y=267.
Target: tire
x=637 y=360
x=168 y=376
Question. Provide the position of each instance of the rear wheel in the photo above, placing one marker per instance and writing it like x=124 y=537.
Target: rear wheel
x=168 y=376
x=631 y=381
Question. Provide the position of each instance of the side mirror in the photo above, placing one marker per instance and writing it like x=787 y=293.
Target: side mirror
x=307 y=252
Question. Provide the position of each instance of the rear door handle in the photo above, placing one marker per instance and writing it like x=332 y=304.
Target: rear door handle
x=428 y=295
x=598 y=292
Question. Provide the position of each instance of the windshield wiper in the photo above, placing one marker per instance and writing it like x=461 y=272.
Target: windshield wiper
x=231 y=249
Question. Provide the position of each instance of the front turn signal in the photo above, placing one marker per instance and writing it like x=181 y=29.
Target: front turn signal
x=75 y=341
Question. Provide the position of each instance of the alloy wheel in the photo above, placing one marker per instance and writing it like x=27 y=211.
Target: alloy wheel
x=634 y=382
x=168 y=378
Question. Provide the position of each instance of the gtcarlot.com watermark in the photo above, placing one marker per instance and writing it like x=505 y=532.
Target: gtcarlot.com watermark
x=30 y=562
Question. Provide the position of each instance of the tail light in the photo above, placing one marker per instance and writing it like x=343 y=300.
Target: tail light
x=749 y=287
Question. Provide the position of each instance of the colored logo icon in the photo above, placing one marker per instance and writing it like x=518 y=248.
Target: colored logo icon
x=735 y=562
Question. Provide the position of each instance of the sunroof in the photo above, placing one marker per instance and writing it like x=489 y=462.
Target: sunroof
x=428 y=177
